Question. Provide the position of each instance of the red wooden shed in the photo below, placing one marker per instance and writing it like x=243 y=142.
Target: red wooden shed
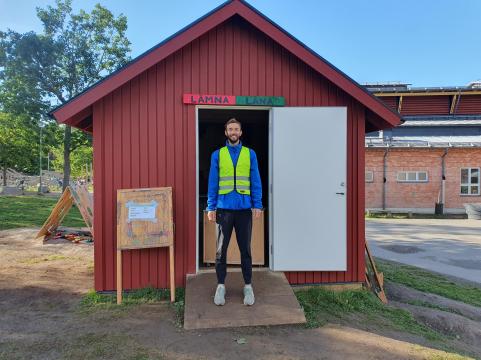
x=149 y=131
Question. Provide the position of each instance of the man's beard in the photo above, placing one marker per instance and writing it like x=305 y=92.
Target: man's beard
x=231 y=139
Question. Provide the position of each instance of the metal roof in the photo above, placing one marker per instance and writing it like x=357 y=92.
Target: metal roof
x=425 y=141
x=405 y=88
x=442 y=120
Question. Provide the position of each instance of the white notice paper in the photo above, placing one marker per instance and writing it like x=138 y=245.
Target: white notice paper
x=142 y=211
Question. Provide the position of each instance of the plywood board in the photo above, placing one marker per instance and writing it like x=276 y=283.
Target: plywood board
x=85 y=203
x=58 y=213
x=233 y=254
x=144 y=218
x=276 y=303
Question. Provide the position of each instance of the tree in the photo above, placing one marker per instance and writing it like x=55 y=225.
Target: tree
x=17 y=150
x=73 y=52
x=80 y=161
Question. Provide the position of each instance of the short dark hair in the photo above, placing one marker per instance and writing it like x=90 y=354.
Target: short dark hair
x=232 y=121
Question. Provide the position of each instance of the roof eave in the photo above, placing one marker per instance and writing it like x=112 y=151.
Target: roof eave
x=77 y=104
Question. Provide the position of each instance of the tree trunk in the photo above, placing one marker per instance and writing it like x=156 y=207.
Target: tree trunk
x=66 y=156
x=5 y=175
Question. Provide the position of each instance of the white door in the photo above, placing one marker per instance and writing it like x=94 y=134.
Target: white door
x=308 y=188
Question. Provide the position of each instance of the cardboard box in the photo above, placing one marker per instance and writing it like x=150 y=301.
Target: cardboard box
x=233 y=254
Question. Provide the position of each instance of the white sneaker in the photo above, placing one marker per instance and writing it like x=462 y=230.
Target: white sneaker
x=248 y=295
x=219 y=298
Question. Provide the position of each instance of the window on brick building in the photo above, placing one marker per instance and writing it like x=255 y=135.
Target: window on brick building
x=470 y=181
x=369 y=176
x=412 y=176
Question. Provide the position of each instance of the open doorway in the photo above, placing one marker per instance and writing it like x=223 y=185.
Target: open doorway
x=255 y=135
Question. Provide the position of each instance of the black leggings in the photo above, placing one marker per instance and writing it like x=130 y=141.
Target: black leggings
x=226 y=220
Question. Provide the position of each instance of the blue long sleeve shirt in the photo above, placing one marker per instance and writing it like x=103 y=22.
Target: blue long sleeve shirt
x=234 y=200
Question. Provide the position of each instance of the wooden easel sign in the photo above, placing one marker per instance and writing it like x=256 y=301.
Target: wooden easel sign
x=145 y=220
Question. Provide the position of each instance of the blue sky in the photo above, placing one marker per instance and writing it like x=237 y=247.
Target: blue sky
x=421 y=42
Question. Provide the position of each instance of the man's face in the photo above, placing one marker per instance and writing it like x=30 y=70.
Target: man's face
x=233 y=132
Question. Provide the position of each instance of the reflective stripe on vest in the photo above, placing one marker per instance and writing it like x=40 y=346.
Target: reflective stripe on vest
x=240 y=176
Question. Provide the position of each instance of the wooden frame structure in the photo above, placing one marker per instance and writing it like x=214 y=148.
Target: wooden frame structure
x=77 y=194
x=374 y=279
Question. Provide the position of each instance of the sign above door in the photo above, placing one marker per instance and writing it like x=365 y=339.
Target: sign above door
x=205 y=99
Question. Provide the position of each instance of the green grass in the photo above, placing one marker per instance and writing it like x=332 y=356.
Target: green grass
x=147 y=295
x=30 y=211
x=321 y=306
x=93 y=301
x=429 y=282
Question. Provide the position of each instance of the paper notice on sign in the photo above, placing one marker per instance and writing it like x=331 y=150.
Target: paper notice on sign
x=145 y=212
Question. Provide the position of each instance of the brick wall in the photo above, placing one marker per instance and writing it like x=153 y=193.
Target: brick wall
x=419 y=195
x=455 y=160
x=374 y=163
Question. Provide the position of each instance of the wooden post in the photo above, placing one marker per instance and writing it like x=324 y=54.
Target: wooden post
x=119 y=276
x=378 y=277
x=172 y=276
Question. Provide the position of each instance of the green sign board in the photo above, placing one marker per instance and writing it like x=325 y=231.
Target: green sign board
x=260 y=100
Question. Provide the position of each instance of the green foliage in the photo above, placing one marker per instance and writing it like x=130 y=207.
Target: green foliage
x=17 y=150
x=28 y=211
x=426 y=281
x=39 y=71
x=73 y=52
x=94 y=300
x=78 y=158
x=19 y=93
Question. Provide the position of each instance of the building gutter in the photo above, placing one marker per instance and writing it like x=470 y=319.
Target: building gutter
x=443 y=176
x=384 y=172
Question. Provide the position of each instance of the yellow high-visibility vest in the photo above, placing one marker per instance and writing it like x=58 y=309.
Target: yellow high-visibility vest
x=238 y=178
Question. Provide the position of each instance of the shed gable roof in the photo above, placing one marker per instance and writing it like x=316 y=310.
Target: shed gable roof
x=79 y=108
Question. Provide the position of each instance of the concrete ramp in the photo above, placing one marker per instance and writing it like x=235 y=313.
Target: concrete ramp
x=275 y=303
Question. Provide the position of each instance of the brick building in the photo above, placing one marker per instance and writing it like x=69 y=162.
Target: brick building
x=433 y=157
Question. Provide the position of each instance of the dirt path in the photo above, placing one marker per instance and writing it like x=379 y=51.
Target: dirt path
x=41 y=286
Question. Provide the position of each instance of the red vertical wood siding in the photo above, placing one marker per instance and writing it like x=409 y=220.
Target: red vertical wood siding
x=144 y=136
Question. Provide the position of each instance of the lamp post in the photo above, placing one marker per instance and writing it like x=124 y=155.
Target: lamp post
x=40 y=159
x=41 y=124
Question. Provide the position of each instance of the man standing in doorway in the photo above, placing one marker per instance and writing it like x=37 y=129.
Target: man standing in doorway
x=234 y=196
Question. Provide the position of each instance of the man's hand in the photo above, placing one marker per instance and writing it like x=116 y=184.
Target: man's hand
x=211 y=216
x=257 y=213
